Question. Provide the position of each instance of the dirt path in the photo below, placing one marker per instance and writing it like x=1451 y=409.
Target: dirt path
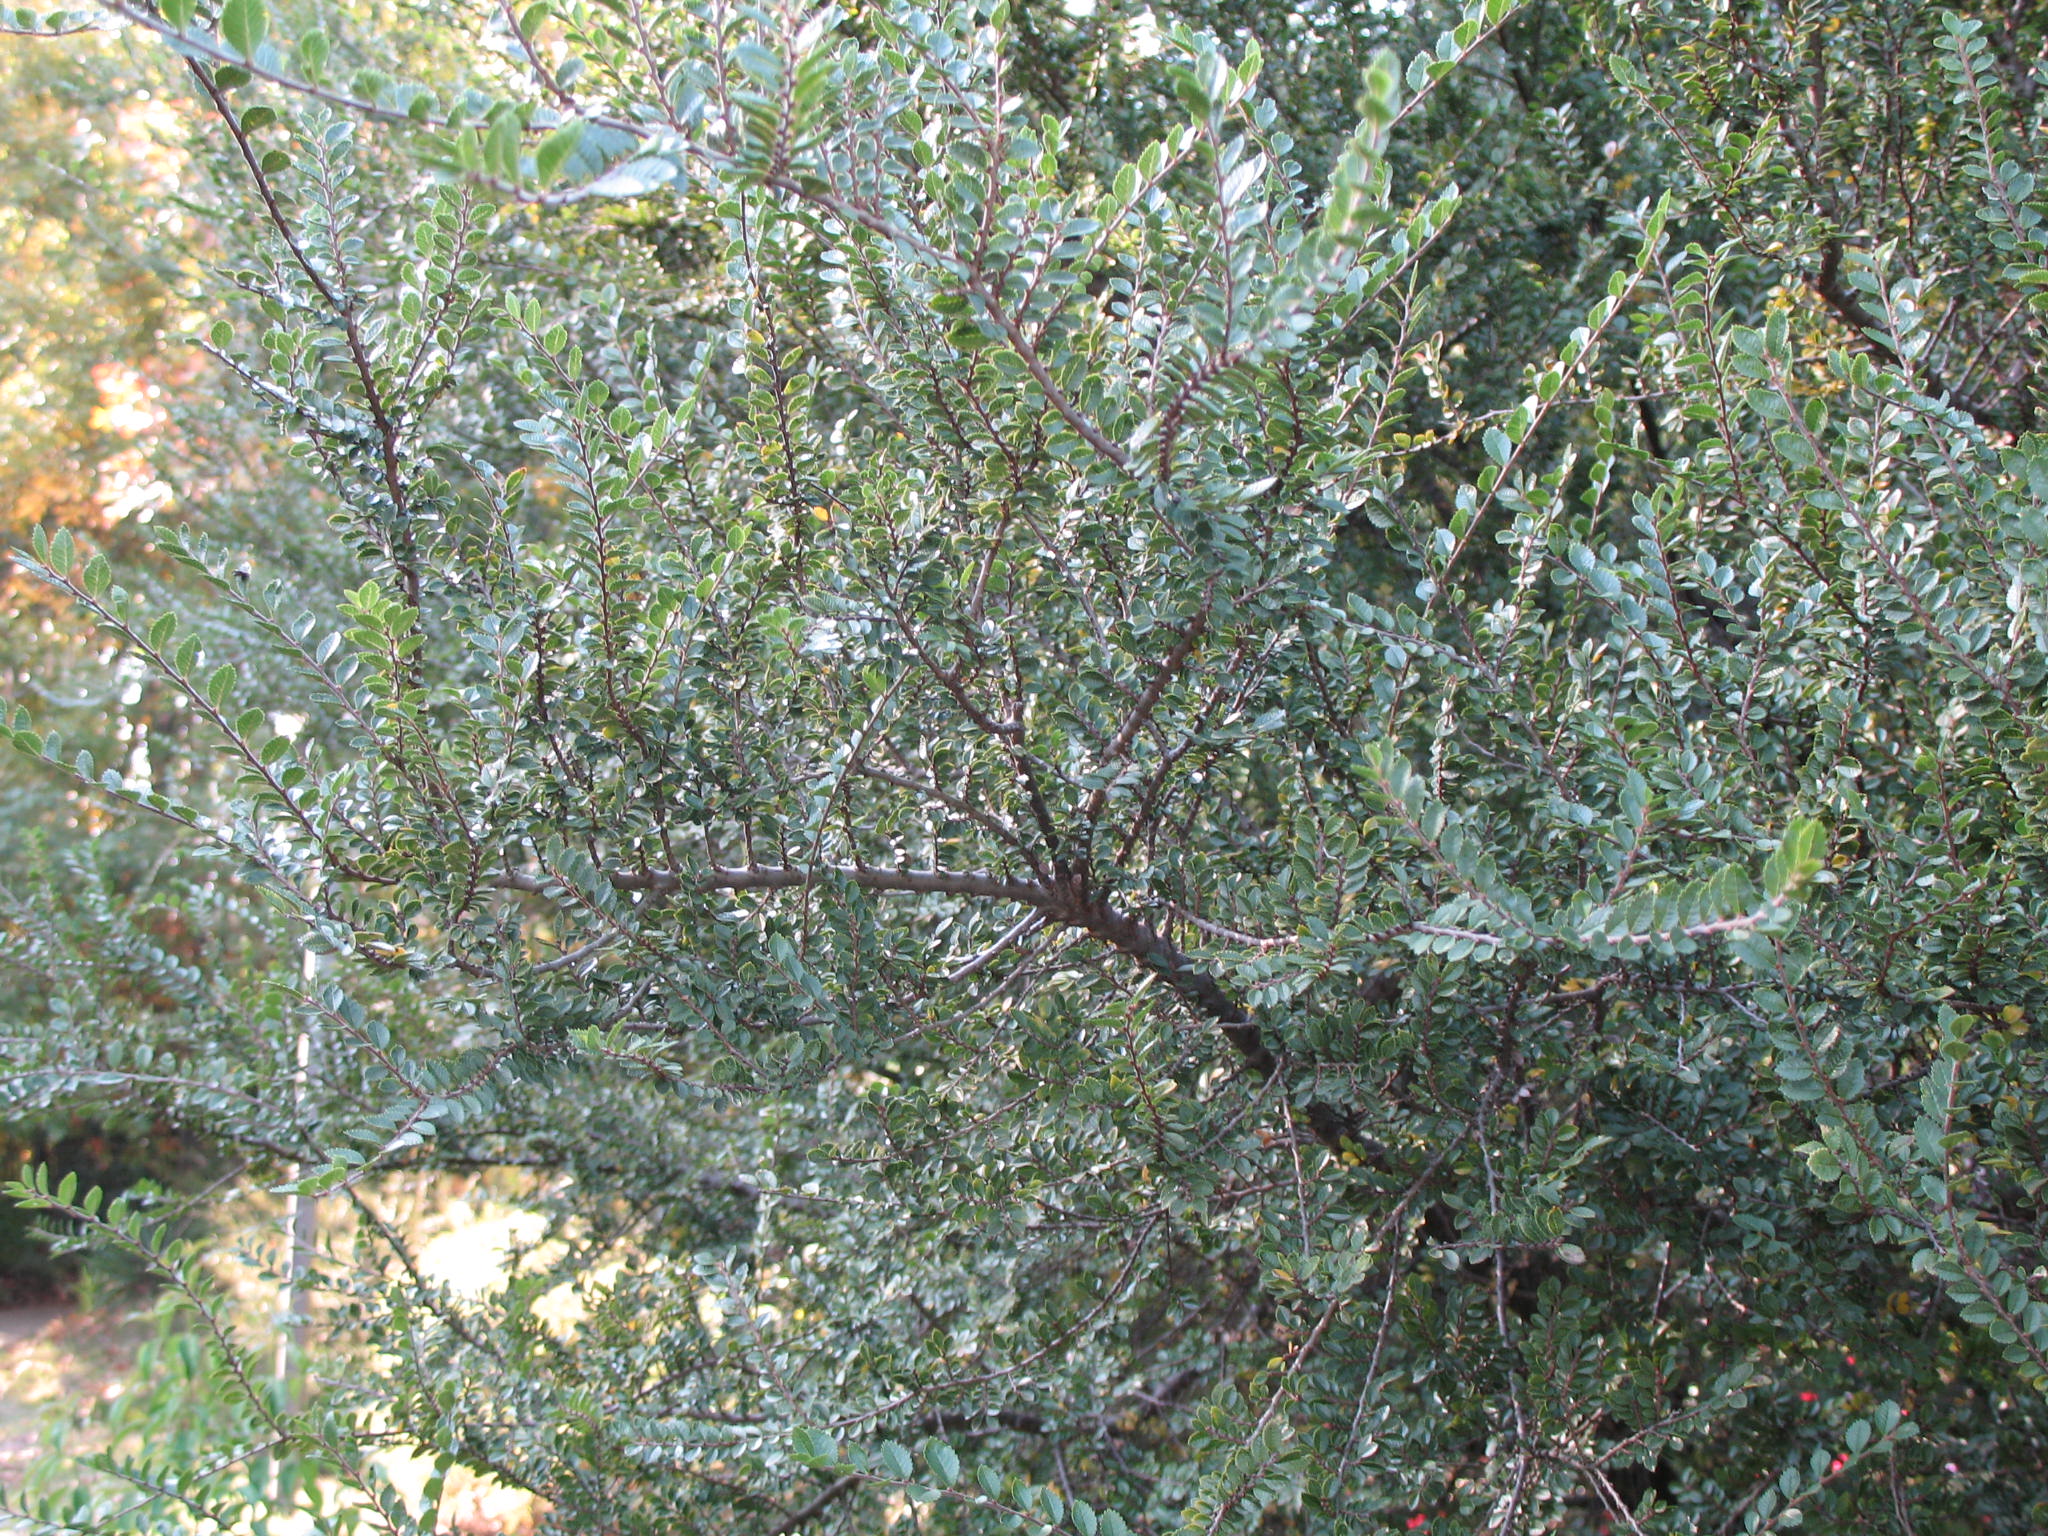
x=20 y=1324
x=52 y=1357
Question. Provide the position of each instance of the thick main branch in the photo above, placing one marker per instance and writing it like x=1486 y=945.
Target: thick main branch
x=1067 y=902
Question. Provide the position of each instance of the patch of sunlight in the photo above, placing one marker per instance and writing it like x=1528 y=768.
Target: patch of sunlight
x=472 y=1503
x=470 y=1257
x=564 y=1308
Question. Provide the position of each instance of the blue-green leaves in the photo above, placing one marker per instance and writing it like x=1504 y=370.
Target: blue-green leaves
x=1286 y=784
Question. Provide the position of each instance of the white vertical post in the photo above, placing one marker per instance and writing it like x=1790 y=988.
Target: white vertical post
x=301 y=1224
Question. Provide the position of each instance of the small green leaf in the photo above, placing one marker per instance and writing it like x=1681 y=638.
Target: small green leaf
x=243 y=25
x=944 y=1462
x=1795 y=449
x=1798 y=858
x=808 y=1445
x=555 y=149
x=1381 y=99
x=501 y=147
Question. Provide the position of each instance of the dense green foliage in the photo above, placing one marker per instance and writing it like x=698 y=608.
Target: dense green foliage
x=1217 y=769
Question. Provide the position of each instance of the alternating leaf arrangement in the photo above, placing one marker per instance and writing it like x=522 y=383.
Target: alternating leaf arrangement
x=1138 y=810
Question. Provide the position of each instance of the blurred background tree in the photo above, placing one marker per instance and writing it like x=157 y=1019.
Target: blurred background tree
x=97 y=248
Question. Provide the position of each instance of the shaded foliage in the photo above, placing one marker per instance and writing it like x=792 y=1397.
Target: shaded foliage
x=1271 y=770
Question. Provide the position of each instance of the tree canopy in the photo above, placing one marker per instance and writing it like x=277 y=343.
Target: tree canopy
x=1209 y=768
